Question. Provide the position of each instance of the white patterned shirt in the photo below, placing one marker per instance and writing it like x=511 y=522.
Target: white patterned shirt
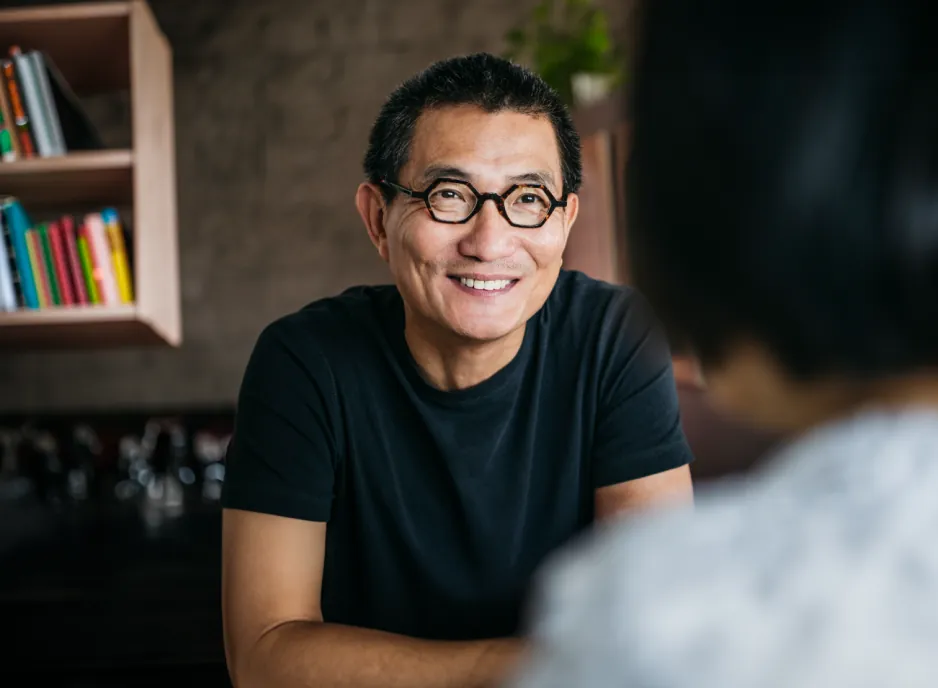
x=820 y=570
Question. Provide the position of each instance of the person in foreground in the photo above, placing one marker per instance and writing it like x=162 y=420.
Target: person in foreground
x=784 y=222
x=405 y=456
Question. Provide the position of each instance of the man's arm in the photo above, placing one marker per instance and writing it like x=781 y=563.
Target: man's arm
x=274 y=630
x=668 y=488
x=640 y=457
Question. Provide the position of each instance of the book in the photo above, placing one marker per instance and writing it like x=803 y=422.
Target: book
x=103 y=261
x=8 y=126
x=37 y=261
x=17 y=224
x=8 y=297
x=62 y=276
x=69 y=261
x=70 y=240
x=50 y=112
x=20 y=117
x=32 y=98
x=119 y=256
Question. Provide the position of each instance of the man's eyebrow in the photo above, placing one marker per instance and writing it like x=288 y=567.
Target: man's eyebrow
x=434 y=172
x=536 y=177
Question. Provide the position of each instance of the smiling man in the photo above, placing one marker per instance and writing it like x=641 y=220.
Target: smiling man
x=406 y=456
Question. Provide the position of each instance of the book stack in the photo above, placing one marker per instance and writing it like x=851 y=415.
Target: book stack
x=70 y=261
x=40 y=116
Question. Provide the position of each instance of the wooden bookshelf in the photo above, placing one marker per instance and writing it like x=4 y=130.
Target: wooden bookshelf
x=77 y=179
x=99 y=48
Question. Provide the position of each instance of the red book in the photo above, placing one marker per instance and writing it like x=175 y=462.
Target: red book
x=67 y=230
x=61 y=268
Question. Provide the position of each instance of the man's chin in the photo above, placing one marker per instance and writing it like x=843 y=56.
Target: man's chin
x=484 y=331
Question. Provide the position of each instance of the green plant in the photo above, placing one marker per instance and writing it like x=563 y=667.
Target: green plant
x=563 y=38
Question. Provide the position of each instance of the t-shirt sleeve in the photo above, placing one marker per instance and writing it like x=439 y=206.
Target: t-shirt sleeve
x=282 y=456
x=638 y=425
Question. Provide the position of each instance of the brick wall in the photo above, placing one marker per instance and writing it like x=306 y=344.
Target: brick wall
x=273 y=102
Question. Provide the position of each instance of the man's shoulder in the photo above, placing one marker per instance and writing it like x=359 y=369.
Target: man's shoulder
x=575 y=289
x=584 y=304
x=353 y=312
x=584 y=314
x=323 y=333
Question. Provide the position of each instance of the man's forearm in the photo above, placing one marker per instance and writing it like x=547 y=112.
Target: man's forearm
x=301 y=654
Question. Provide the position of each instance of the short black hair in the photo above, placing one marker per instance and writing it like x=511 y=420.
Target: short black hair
x=490 y=83
x=783 y=181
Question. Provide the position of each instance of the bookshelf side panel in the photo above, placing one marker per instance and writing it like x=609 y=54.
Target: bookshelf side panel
x=156 y=249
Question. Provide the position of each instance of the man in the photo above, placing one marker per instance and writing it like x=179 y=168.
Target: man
x=783 y=196
x=406 y=456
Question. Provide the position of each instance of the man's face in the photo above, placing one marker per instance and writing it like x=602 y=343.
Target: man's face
x=439 y=267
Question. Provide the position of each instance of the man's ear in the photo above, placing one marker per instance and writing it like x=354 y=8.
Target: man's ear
x=571 y=211
x=371 y=207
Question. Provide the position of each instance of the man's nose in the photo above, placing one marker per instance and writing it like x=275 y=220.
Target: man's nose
x=490 y=237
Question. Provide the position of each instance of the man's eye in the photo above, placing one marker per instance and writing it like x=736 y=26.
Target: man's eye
x=531 y=199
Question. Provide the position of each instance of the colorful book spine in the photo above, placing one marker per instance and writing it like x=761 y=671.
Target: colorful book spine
x=70 y=239
x=37 y=261
x=6 y=238
x=20 y=117
x=9 y=143
x=62 y=276
x=63 y=262
x=103 y=263
x=92 y=273
x=42 y=230
x=115 y=235
x=32 y=98
x=8 y=299
x=17 y=224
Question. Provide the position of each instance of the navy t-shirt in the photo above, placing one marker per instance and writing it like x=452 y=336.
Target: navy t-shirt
x=441 y=505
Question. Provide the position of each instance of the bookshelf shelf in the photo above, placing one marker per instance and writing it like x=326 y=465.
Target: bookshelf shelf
x=102 y=47
x=76 y=179
x=81 y=326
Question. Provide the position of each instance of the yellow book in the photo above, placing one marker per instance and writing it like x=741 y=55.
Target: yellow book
x=115 y=236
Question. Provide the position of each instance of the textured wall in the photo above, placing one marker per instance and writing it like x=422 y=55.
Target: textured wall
x=273 y=103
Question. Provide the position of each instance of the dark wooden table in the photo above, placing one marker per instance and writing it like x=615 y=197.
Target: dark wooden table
x=91 y=595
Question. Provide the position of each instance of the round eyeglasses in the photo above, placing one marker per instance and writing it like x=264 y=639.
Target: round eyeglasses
x=454 y=201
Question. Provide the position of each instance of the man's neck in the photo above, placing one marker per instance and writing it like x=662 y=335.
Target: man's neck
x=449 y=362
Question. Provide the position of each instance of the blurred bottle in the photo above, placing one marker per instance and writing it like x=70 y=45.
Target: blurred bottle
x=209 y=450
x=13 y=484
x=81 y=459
x=164 y=496
x=44 y=465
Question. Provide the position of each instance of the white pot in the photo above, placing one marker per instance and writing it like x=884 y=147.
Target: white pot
x=589 y=88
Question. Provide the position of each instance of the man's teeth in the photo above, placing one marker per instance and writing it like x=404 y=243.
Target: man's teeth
x=485 y=285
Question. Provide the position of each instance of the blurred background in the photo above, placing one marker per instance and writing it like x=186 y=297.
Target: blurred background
x=220 y=143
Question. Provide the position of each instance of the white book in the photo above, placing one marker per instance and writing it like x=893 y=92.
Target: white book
x=7 y=291
x=48 y=102
x=103 y=260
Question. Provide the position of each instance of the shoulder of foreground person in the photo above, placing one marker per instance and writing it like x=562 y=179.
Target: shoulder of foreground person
x=818 y=570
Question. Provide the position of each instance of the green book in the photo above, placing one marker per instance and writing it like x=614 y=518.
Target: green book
x=54 y=286
x=85 y=256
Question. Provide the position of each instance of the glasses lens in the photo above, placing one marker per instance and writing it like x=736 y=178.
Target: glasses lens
x=527 y=206
x=452 y=201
